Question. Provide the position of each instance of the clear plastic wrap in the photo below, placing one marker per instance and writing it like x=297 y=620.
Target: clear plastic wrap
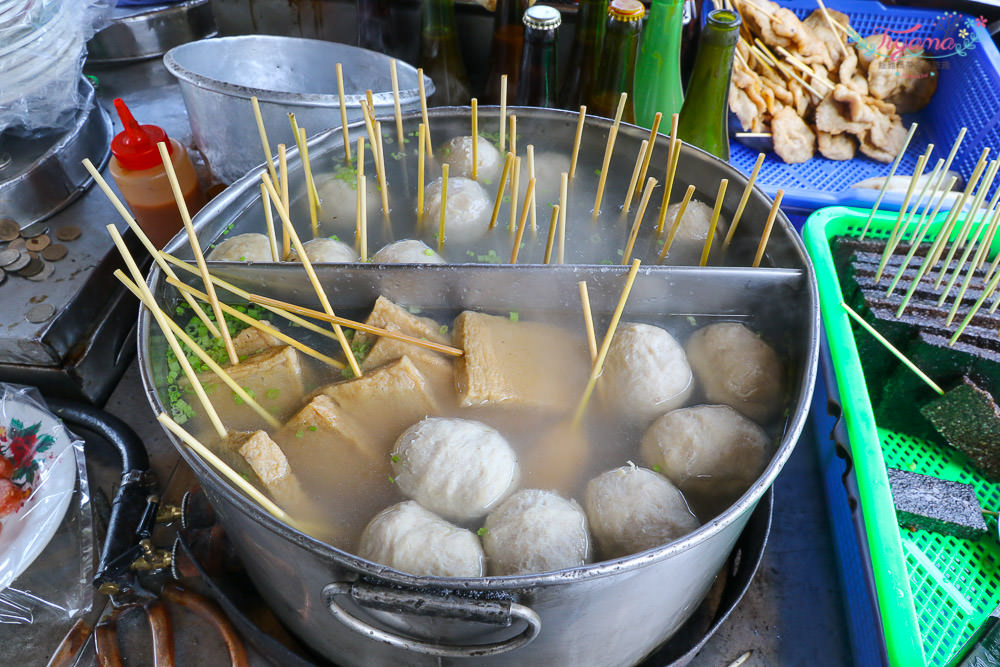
x=47 y=543
x=42 y=49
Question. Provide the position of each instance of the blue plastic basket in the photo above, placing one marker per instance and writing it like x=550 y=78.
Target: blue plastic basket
x=968 y=95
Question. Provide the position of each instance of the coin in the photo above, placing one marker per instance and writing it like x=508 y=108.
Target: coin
x=68 y=233
x=17 y=244
x=9 y=230
x=54 y=252
x=40 y=313
x=38 y=243
x=47 y=270
x=22 y=261
x=34 y=230
x=9 y=256
x=32 y=268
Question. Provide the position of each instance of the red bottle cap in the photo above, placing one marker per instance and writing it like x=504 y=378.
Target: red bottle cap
x=135 y=147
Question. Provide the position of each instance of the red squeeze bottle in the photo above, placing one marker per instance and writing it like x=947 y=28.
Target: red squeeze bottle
x=139 y=172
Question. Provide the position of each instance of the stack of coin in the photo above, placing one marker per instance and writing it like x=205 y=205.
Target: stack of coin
x=30 y=252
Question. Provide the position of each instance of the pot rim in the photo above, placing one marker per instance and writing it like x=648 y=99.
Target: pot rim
x=312 y=100
x=739 y=509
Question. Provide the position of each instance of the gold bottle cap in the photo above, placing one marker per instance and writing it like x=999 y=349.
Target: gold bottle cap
x=626 y=10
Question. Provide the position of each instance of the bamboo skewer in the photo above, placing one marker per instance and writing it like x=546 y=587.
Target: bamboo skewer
x=525 y=208
x=175 y=347
x=897 y=230
x=205 y=358
x=196 y=250
x=602 y=354
x=286 y=308
x=935 y=177
x=534 y=197
x=716 y=212
x=243 y=294
x=802 y=67
x=508 y=164
x=397 y=107
x=515 y=189
x=260 y=326
x=268 y=156
x=343 y=113
x=885 y=185
x=743 y=202
x=673 y=157
x=925 y=265
x=608 y=150
x=964 y=232
x=768 y=226
x=922 y=228
x=830 y=22
x=513 y=134
x=286 y=244
x=272 y=241
x=150 y=248
x=563 y=207
x=993 y=212
x=944 y=239
x=987 y=292
x=361 y=201
x=553 y=223
x=892 y=348
x=382 y=186
x=307 y=265
x=421 y=152
x=588 y=320
x=370 y=99
x=643 y=203
x=503 y=113
x=760 y=49
x=444 y=206
x=649 y=151
x=310 y=184
x=633 y=182
x=675 y=225
x=300 y=143
x=423 y=111
x=575 y=155
x=224 y=469
x=475 y=139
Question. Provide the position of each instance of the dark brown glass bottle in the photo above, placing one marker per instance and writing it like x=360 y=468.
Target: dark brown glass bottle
x=689 y=37
x=578 y=80
x=440 y=56
x=616 y=71
x=537 y=82
x=373 y=25
x=505 y=52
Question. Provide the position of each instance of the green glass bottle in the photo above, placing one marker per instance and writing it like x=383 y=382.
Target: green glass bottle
x=658 y=70
x=703 y=121
x=582 y=65
x=616 y=72
x=537 y=81
x=440 y=56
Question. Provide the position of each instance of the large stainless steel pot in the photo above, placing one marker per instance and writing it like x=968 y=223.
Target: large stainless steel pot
x=610 y=613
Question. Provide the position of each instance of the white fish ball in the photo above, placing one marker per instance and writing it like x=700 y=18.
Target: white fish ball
x=457 y=152
x=711 y=451
x=459 y=468
x=734 y=366
x=535 y=531
x=467 y=216
x=326 y=250
x=631 y=509
x=407 y=251
x=408 y=538
x=242 y=248
x=646 y=373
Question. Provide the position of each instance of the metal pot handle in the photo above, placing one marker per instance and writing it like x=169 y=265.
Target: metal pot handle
x=500 y=613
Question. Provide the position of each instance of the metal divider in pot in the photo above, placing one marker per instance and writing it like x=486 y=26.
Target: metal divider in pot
x=612 y=612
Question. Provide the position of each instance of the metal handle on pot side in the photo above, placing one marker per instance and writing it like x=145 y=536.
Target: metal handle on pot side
x=502 y=614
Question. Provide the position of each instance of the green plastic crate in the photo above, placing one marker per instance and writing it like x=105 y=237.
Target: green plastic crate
x=932 y=590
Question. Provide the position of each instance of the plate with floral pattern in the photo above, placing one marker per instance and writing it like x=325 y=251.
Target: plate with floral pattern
x=37 y=481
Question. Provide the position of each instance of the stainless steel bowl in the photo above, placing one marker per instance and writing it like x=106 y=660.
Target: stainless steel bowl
x=615 y=612
x=286 y=74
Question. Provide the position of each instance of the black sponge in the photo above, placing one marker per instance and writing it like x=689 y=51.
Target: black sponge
x=929 y=503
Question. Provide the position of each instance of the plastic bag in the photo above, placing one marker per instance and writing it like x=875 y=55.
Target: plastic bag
x=42 y=49
x=52 y=527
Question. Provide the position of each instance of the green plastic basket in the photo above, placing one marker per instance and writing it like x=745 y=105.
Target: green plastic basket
x=932 y=590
